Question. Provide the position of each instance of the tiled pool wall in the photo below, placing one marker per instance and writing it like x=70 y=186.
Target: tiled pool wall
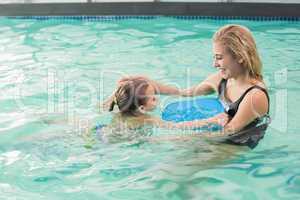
x=271 y=11
x=149 y=17
x=90 y=1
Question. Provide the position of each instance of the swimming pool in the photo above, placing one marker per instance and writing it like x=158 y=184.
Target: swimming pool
x=61 y=67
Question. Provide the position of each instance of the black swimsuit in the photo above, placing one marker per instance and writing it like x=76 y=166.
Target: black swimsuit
x=253 y=132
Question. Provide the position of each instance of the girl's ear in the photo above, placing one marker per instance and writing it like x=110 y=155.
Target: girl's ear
x=142 y=109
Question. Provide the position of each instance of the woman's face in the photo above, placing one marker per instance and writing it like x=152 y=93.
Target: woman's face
x=225 y=62
x=151 y=99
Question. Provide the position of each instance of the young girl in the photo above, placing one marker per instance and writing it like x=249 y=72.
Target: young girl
x=133 y=99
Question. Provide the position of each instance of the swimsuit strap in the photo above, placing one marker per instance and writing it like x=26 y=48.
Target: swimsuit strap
x=249 y=89
x=222 y=88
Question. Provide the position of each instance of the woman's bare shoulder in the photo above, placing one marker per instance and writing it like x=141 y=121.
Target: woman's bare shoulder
x=257 y=101
x=259 y=83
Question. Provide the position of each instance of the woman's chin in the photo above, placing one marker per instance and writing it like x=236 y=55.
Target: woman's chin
x=224 y=75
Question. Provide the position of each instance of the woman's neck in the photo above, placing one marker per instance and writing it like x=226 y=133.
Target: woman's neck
x=240 y=80
x=244 y=79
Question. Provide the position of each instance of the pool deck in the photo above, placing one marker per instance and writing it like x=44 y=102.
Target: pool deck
x=152 y=8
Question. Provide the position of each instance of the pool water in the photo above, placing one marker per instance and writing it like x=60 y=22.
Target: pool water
x=58 y=69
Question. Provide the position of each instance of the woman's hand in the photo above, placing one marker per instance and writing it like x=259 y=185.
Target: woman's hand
x=220 y=119
x=186 y=92
x=158 y=87
x=128 y=78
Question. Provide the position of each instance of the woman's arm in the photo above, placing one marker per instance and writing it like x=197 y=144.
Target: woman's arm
x=164 y=88
x=159 y=87
x=209 y=85
x=220 y=119
x=230 y=128
x=255 y=104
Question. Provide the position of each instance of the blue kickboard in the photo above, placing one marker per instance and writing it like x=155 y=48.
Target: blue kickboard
x=193 y=109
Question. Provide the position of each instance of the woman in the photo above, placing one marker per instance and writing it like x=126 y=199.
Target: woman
x=238 y=82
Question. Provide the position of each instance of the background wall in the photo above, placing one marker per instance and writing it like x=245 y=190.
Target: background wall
x=82 y=1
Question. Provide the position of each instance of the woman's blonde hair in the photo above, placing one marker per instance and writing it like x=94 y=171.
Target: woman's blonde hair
x=240 y=43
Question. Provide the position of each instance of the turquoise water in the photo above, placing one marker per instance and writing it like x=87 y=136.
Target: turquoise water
x=60 y=69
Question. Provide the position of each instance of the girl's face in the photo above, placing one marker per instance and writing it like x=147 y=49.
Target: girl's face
x=151 y=99
x=229 y=66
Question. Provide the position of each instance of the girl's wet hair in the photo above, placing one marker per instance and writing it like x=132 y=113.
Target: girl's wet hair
x=129 y=96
